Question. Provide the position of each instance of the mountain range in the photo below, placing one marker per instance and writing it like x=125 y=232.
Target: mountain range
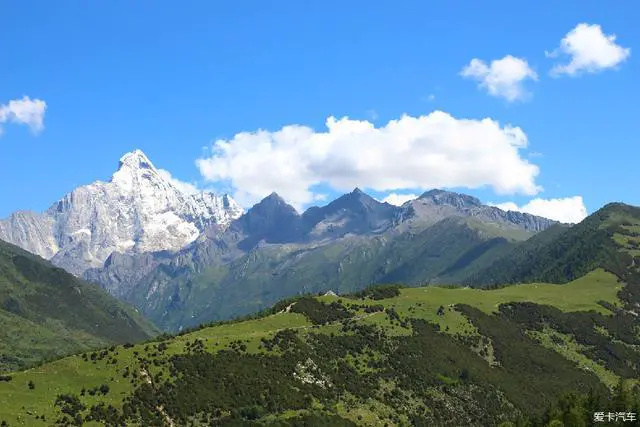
x=283 y=318
x=556 y=351
x=186 y=259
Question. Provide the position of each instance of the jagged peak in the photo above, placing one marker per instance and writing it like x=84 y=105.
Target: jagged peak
x=356 y=194
x=359 y=196
x=450 y=198
x=135 y=159
x=357 y=199
x=133 y=167
x=273 y=197
x=431 y=193
x=271 y=202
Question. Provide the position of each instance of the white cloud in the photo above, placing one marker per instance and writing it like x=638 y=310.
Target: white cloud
x=24 y=111
x=590 y=51
x=185 y=187
x=399 y=199
x=432 y=151
x=502 y=78
x=567 y=210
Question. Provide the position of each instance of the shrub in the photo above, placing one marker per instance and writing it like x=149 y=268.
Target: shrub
x=320 y=313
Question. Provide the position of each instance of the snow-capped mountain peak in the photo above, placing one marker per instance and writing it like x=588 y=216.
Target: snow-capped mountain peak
x=132 y=165
x=136 y=159
x=138 y=210
x=135 y=172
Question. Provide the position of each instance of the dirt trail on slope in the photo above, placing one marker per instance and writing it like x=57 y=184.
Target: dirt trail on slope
x=147 y=378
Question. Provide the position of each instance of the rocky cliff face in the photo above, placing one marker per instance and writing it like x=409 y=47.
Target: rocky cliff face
x=137 y=211
x=31 y=231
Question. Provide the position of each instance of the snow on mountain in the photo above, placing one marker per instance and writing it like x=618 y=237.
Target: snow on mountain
x=137 y=211
x=31 y=231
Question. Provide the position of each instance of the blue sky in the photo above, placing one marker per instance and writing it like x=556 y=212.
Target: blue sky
x=173 y=78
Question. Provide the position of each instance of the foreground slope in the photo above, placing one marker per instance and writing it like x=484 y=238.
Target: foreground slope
x=388 y=356
x=46 y=312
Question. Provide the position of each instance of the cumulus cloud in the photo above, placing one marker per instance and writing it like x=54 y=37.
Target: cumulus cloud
x=399 y=199
x=24 y=111
x=590 y=51
x=185 y=187
x=502 y=78
x=431 y=151
x=568 y=210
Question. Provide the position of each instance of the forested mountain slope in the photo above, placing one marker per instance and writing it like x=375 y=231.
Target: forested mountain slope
x=46 y=312
x=607 y=239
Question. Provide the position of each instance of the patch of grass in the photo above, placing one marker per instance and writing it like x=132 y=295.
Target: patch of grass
x=581 y=294
x=65 y=376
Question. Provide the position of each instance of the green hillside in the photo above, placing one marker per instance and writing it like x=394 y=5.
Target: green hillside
x=607 y=239
x=411 y=356
x=444 y=252
x=46 y=313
